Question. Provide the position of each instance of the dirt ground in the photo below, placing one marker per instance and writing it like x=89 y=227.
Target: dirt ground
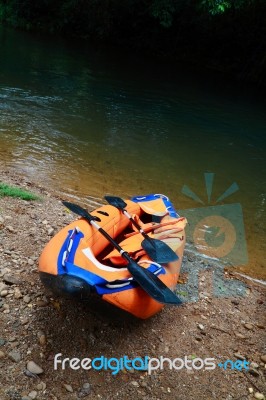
x=34 y=326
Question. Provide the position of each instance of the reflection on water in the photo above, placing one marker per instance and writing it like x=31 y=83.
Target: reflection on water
x=90 y=123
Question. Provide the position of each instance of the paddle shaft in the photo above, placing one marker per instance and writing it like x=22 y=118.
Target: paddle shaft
x=110 y=239
x=136 y=224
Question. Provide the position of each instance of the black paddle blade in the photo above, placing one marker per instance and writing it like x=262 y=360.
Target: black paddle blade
x=116 y=202
x=80 y=211
x=159 y=251
x=152 y=284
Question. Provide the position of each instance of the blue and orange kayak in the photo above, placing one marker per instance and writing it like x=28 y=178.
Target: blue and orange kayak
x=78 y=261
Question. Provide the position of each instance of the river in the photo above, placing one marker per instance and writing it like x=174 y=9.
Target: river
x=88 y=121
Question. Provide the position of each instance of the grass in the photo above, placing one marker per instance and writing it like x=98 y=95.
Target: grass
x=12 y=191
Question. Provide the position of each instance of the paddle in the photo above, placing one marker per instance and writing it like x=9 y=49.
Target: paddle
x=145 y=278
x=157 y=250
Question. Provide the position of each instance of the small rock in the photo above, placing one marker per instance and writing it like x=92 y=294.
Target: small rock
x=86 y=385
x=41 y=386
x=30 y=261
x=2 y=342
x=254 y=365
x=240 y=336
x=50 y=231
x=68 y=388
x=2 y=354
x=33 y=394
x=2 y=287
x=263 y=358
x=10 y=228
x=254 y=372
x=250 y=390
x=85 y=391
x=26 y=299
x=41 y=303
x=135 y=383
x=17 y=294
x=34 y=368
x=42 y=340
x=11 y=279
x=14 y=356
x=248 y=326
x=24 y=321
x=235 y=302
x=4 y=293
x=201 y=327
x=259 y=396
x=239 y=356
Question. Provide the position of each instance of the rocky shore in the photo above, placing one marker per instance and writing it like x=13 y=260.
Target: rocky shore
x=35 y=326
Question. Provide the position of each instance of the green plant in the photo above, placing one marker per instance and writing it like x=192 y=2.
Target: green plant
x=12 y=191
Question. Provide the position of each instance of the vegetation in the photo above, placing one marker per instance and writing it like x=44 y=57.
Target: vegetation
x=225 y=34
x=12 y=191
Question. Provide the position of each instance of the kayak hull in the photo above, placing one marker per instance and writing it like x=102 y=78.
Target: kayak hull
x=78 y=263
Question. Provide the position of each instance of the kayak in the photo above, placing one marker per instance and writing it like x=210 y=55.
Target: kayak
x=80 y=262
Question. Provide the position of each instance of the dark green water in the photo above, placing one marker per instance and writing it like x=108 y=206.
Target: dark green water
x=91 y=122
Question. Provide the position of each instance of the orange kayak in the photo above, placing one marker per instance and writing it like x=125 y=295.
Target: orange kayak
x=78 y=261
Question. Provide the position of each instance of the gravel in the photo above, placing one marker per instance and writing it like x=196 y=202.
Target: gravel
x=43 y=325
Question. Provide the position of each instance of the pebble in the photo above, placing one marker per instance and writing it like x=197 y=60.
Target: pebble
x=198 y=339
x=4 y=293
x=240 y=336
x=41 y=303
x=263 y=358
x=10 y=228
x=135 y=383
x=30 y=261
x=17 y=294
x=68 y=388
x=14 y=356
x=2 y=287
x=2 y=342
x=34 y=368
x=11 y=279
x=248 y=326
x=42 y=340
x=41 y=386
x=259 y=396
x=2 y=354
x=50 y=231
x=254 y=372
x=201 y=327
x=239 y=356
x=33 y=394
x=26 y=299
x=254 y=365
x=235 y=302
x=85 y=391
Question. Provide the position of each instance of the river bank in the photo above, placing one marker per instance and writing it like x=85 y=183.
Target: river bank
x=34 y=326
